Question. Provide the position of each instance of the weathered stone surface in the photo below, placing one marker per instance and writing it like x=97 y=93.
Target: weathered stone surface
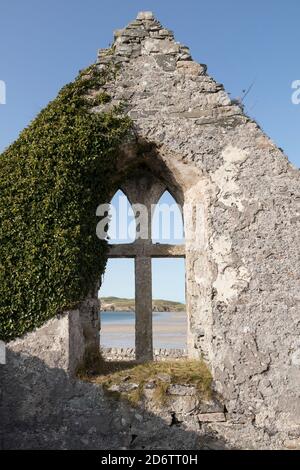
x=59 y=343
x=166 y=62
x=138 y=33
x=123 y=387
x=189 y=422
x=90 y=322
x=128 y=354
x=211 y=406
x=162 y=46
x=183 y=405
x=190 y=68
x=211 y=417
x=145 y=15
x=185 y=390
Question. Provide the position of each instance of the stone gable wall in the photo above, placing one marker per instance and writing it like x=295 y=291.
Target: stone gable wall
x=243 y=270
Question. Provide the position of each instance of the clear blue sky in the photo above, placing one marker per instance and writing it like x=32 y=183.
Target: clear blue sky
x=43 y=44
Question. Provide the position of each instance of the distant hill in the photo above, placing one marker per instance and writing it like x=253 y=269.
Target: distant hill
x=117 y=304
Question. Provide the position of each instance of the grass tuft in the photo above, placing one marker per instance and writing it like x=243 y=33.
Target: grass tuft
x=183 y=372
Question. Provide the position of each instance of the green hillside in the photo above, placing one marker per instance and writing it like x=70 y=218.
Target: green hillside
x=121 y=304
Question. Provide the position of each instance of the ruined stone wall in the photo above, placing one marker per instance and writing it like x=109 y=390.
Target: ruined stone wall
x=242 y=266
x=128 y=354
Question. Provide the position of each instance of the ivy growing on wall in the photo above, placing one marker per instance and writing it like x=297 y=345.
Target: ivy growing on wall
x=51 y=181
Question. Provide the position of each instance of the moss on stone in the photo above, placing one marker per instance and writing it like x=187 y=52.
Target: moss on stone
x=101 y=98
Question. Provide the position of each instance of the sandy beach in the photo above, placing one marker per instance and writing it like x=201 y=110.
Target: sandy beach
x=169 y=331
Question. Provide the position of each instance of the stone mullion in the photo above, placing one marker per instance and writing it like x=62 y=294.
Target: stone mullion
x=143 y=309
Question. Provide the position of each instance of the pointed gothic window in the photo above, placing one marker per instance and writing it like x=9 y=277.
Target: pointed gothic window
x=122 y=226
x=167 y=223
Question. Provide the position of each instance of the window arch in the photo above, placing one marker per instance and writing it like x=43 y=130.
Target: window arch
x=144 y=190
x=122 y=225
x=167 y=221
